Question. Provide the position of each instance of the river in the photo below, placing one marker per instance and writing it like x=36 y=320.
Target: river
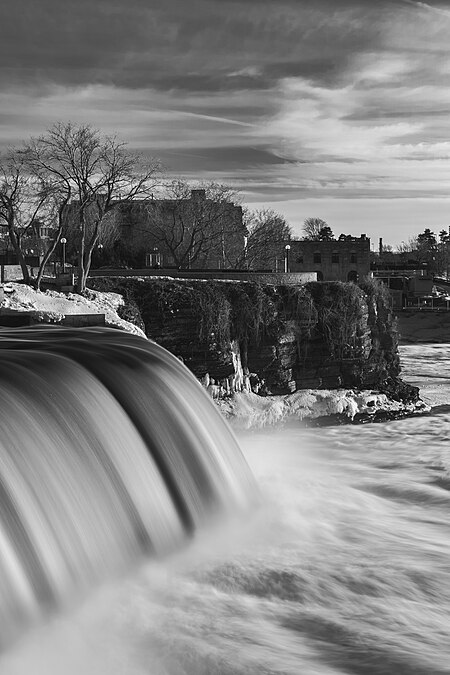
x=344 y=567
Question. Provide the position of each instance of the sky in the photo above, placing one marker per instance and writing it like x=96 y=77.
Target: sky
x=322 y=108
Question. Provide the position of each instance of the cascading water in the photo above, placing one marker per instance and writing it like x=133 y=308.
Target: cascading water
x=109 y=450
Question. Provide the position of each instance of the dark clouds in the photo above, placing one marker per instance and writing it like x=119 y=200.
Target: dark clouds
x=195 y=45
x=230 y=159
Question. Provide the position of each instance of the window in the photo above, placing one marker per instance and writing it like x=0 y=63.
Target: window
x=153 y=259
x=299 y=259
x=317 y=258
x=353 y=257
x=335 y=257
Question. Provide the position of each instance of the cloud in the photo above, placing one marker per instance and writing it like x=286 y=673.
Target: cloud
x=151 y=121
x=314 y=99
x=188 y=46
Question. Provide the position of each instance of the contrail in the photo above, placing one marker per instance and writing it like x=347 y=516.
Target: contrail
x=223 y=120
x=429 y=8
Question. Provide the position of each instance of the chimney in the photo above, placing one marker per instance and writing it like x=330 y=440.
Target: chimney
x=380 y=246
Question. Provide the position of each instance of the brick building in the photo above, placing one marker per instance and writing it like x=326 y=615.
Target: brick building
x=343 y=259
x=34 y=243
x=192 y=232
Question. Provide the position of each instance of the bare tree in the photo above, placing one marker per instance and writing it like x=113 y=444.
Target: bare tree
x=57 y=214
x=268 y=233
x=194 y=227
x=97 y=172
x=409 y=246
x=312 y=228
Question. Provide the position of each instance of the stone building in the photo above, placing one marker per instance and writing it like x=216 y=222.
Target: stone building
x=343 y=259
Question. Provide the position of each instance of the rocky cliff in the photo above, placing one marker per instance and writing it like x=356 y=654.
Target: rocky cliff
x=319 y=335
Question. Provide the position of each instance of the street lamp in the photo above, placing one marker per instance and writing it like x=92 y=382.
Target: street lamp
x=63 y=243
x=287 y=248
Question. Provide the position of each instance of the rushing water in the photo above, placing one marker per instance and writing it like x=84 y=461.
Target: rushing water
x=344 y=567
x=110 y=451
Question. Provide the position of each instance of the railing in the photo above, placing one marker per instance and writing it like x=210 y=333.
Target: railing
x=431 y=304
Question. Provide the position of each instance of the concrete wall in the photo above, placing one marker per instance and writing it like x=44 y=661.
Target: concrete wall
x=11 y=273
x=421 y=285
x=291 y=278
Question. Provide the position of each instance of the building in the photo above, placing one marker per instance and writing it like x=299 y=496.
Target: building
x=411 y=288
x=34 y=243
x=343 y=259
x=191 y=232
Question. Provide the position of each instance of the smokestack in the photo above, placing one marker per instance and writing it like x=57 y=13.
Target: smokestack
x=380 y=246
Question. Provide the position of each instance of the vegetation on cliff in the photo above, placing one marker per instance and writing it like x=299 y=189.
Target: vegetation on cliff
x=318 y=335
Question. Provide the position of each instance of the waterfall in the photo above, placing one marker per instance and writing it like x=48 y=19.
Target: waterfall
x=110 y=450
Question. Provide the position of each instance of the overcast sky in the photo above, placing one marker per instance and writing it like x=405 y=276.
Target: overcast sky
x=338 y=109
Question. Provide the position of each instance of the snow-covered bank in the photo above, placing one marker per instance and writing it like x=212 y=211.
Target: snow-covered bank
x=246 y=410
x=52 y=307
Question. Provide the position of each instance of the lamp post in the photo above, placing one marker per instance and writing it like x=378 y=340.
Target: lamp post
x=63 y=244
x=287 y=248
x=100 y=253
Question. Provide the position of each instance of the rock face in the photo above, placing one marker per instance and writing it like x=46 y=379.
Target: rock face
x=314 y=336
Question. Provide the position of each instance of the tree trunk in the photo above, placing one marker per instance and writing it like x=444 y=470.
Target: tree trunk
x=52 y=248
x=81 y=281
x=44 y=261
x=18 y=251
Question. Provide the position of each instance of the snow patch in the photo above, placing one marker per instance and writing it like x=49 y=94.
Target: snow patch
x=52 y=306
x=246 y=410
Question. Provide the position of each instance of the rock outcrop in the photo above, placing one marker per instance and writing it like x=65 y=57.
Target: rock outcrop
x=315 y=336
